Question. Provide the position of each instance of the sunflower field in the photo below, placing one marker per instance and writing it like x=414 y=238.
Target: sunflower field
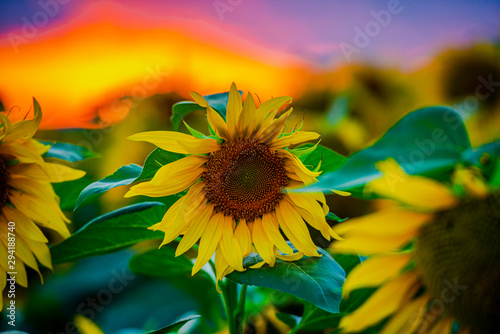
x=242 y=167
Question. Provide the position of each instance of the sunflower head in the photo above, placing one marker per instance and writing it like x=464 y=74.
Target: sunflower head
x=450 y=265
x=236 y=180
x=27 y=198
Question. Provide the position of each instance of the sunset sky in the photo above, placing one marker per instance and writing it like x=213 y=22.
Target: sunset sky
x=81 y=58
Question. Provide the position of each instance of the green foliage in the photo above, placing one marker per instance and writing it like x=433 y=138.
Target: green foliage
x=111 y=232
x=428 y=141
x=69 y=191
x=330 y=160
x=67 y=151
x=180 y=110
x=495 y=179
x=123 y=176
x=317 y=280
x=162 y=263
x=155 y=161
x=173 y=328
x=483 y=157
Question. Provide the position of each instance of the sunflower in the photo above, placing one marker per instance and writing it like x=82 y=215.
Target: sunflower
x=27 y=200
x=236 y=180
x=435 y=255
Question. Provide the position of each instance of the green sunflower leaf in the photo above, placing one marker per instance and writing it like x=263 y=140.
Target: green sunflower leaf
x=67 y=151
x=428 y=141
x=330 y=160
x=173 y=328
x=155 y=161
x=316 y=280
x=123 y=176
x=69 y=191
x=180 y=110
x=162 y=263
x=111 y=232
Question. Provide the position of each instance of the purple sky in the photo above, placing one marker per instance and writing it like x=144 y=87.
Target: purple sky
x=314 y=30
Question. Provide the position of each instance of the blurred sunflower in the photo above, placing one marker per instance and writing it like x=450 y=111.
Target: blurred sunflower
x=236 y=180
x=449 y=267
x=27 y=199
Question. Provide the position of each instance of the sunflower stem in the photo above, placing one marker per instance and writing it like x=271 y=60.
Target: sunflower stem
x=239 y=313
x=230 y=293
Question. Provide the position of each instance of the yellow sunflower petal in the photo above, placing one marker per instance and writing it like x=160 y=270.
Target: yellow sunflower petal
x=258 y=265
x=293 y=164
x=216 y=121
x=234 y=107
x=177 y=142
x=262 y=244
x=247 y=121
x=375 y=271
x=340 y=192
x=371 y=245
x=443 y=326
x=271 y=131
x=22 y=153
x=417 y=191
x=269 y=108
x=222 y=268
x=209 y=241
x=172 y=178
x=271 y=228
x=312 y=212
x=21 y=276
x=23 y=252
x=36 y=209
x=295 y=138
x=290 y=257
x=195 y=231
x=473 y=183
x=24 y=225
x=295 y=228
x=60 y=173
x=6 y=126
x=25 y=129
x=42 y=253
x=28 y=171
x=179 y=215
x=86 y=326
x=170 y=223
x=385 y=301
x=3 y=283
x=242 y=234
x=391 y=221
x=229 y=245
x=408 y=318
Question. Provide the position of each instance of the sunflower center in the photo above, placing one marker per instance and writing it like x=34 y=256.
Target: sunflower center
x=4 y=182
x=458 y=256
x=244 y=179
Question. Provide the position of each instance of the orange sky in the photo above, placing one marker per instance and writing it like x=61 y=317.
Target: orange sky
x=80 y=70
